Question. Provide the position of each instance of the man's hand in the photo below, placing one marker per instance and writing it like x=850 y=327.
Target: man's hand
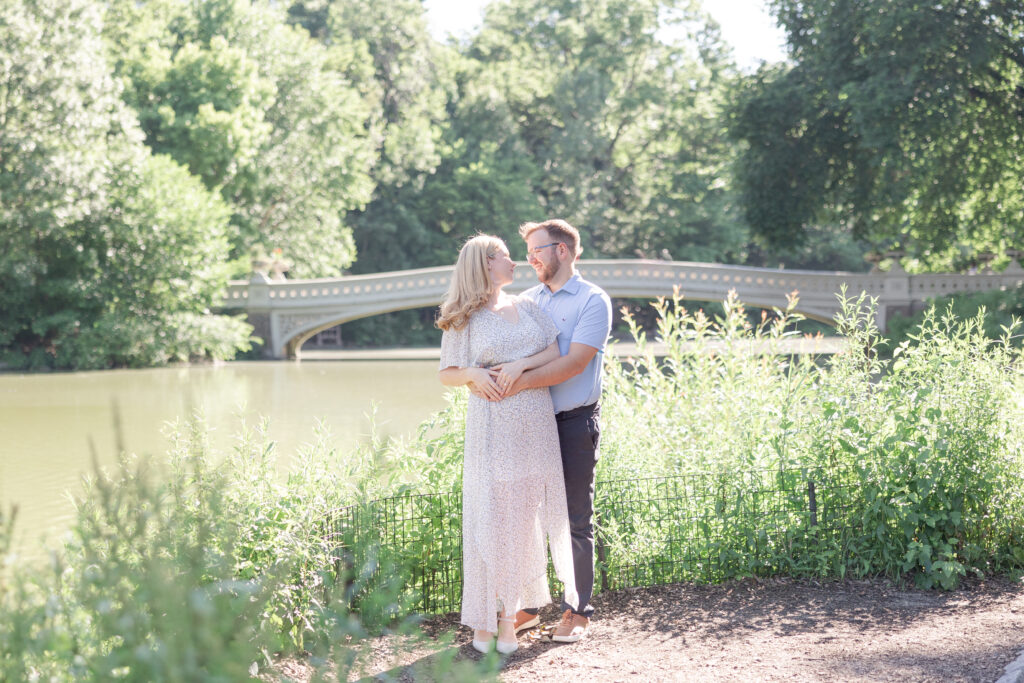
x=513 y=388
x=508 y=373
x=555 y=372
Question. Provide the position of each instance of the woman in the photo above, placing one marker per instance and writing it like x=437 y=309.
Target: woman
x=513 y=494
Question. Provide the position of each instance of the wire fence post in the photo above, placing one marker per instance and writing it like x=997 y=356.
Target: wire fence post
x=813 y=500
x=599 y=542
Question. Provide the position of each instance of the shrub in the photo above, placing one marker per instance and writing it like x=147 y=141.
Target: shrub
x=204 y=571
x=1000 y=308
x=935 y=445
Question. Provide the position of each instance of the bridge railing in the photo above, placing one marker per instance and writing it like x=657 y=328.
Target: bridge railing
x=619 y=277
x=347 y=286
x=931 y=285
x=621 y=273
x=289 y=311
x=636 y=277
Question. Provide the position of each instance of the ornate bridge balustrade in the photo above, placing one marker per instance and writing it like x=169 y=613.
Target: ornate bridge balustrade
x=287 y=313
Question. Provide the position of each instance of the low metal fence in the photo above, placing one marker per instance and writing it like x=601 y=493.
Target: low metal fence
x=693 y=527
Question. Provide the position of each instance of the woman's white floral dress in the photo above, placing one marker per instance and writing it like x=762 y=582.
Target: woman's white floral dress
x=513 y=493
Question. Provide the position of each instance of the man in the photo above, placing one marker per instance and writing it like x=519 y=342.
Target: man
x=582 y=312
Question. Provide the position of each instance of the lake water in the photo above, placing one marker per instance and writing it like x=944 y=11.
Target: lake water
x=47 y=421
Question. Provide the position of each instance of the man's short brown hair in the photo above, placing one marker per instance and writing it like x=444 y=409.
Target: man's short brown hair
x=559 y=230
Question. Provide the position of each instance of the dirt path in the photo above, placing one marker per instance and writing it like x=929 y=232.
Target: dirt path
x=795 y=631
x=771 y=630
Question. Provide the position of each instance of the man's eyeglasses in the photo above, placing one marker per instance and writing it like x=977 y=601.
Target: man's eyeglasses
x=535 y=252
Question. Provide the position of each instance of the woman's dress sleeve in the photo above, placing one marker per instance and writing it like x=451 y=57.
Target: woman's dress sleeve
x=455 y=348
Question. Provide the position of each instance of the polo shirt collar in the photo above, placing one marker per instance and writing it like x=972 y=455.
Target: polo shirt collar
x=571 y=286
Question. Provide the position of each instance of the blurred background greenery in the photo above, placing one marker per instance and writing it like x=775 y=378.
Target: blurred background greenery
x=151 y=150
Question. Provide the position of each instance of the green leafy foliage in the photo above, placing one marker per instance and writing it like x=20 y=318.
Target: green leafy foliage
x=934 y=450
x=620 y=122
x=407 y=91
x=207 y=570
x=109 y=256
x=912 y=458
x=998 y=309
x=603 y=112
x=267 y=117
x=892 y=121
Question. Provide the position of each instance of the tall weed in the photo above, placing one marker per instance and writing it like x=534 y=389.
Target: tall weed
x=925 y=448
x=933 y=446
x=208 y=569
x=722 y=398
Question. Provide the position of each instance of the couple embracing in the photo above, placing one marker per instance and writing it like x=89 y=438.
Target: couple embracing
x=533 y=367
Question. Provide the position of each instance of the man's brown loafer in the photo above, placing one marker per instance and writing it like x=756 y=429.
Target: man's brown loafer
x=525 y=620
x=571 y=628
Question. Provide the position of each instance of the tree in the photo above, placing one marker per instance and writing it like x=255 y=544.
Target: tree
x=108 y=255
x=407 y=90
x=487 y=177
x=271 y=119
x=576 y=108
x=617 y=102
x=901 y=121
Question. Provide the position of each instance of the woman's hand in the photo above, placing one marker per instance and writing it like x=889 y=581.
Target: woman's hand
x=482 y=383
x=508 y=373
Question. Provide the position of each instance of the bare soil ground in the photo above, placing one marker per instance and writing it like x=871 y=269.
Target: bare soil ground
x=752 y=630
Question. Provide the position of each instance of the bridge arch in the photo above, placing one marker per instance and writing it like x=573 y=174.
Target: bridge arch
x=306 y=331
x=289 y=312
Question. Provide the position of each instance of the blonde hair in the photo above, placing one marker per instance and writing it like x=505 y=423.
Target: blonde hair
x=471 y=283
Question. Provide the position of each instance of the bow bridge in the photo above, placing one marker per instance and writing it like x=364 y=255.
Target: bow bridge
x=286 y=313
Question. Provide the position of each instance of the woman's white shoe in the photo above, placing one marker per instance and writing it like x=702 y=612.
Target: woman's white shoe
x=483 y=641
x=507 y=648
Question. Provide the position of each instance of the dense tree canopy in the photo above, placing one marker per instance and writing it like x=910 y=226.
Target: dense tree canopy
x=150 y=148
x=108 y=255
x=407 y=99
x=271 y=119
x=617 y=103
x=902 y=121
x=604 y=112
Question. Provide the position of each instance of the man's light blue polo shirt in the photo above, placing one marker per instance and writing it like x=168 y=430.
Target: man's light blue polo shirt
x=582 y=312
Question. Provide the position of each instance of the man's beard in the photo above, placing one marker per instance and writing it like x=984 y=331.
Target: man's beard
x=548 y=271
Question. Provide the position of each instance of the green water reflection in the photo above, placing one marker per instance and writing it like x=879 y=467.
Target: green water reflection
x=48 y=421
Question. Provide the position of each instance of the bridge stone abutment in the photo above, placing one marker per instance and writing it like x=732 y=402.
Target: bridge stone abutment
x=287 y=313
